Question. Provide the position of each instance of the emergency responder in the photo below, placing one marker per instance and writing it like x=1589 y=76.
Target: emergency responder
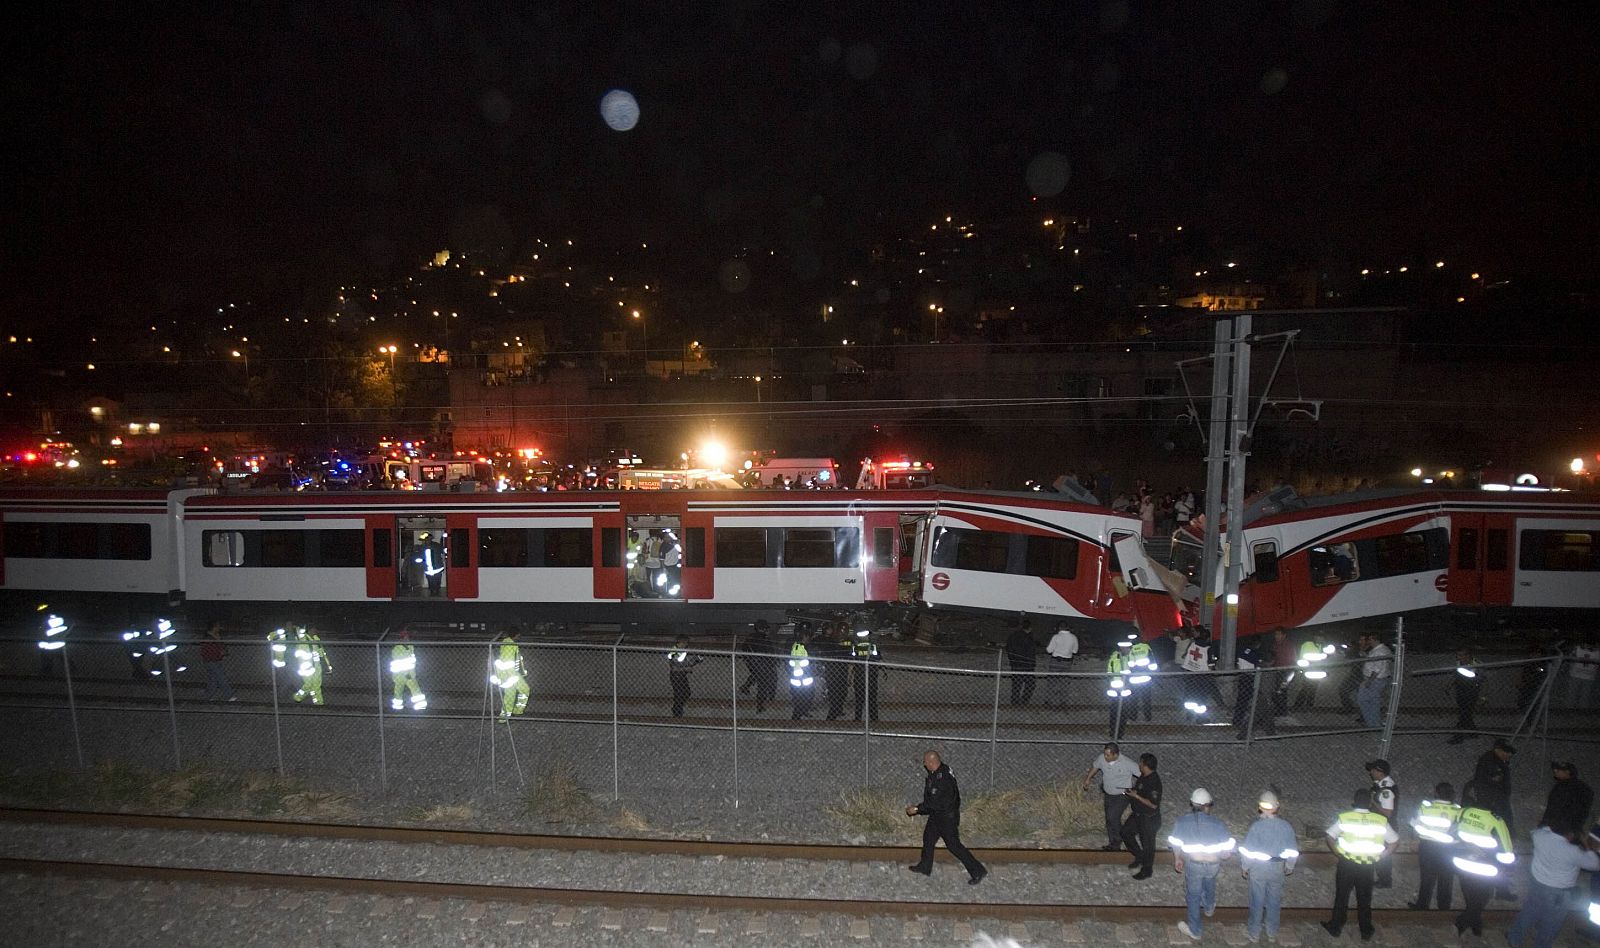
x=832 y=653
x=941 y=804
x=650 y=556
x=669 y=580
x=1118 y=670
x=1021 y=654
x=1360 y=838
x=1248 y=696
x=1267 y=856
x=864 y=674
x=635 y=564
x=133 y=643
x=1310 y=665
x=310 y=660
x=1483 y=855
x=1465 y=688
x=1435 y=824
x=1203 y=696
x=1386 y=803
x=160 y=639
x=1144 y=817
x=679 y=664
x=1200 y=842
x=278 y=647
x=511 y=677
x=431 y=558
x=1140 y=665
x=403 y=668
x=802 y=681
x=762 y=665
x=55 y=639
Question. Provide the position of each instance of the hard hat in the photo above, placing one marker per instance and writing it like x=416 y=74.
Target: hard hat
x=1268 y=800
x=1200 y=797
x=1124 y=644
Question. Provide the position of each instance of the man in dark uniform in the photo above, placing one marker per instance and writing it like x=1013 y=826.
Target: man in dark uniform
x=864 y=674
x=941 y=804
x=679 y=664
x=835 y=670
x=1570 y=799
x=1465 y=688
x=1021 y=653
x=1144 y=817
x=761 y=664
x=1490 y=789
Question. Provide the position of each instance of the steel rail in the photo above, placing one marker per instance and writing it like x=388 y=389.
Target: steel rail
x=404 y=888
x=816 y=852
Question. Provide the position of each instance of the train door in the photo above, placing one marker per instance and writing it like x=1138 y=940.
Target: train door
x=1148 y=586
x=912 y=552
x=381 y=580
x=655 y=549
x=461 y=568
x=1265 y=593
x=1481 y=570
x=423 y=563
x=879 y=555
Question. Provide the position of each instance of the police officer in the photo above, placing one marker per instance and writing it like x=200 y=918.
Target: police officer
x=1118 y=690
x=55 y=639
x=802 y=680
x=941 y=804
x=1465 y=688
x=679 y=664
x=832 y=653
x=864 y=674
x=511 y=677
x=161 y=644
x=1435 y=824
x=1483 y=857
x=403 y=669
x=1021 y=654
x=1386 y=803
x=1247 y=696
x=1313 y=656
x=1141 y=663
x=1360 y=838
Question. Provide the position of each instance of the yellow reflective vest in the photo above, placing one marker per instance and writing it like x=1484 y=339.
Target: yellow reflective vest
x=1435 y=820
x=1360 y=836
x=1485 y=843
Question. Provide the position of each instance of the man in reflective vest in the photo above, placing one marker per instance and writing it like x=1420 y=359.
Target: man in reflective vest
x=1268 y=855
x=801 y=680
x=1435 y=825
x=1118 y=670
x=278 y=644
x=403 y=669
x=160 y=637
x=1140 y=664
x=1308 y=666
x=1465 y=688
x=1203 y=695
x=1360 y=838
x=679 y=663
x=431 y=558
x=511 y=677
x=310 y=659
x=864 y=674
x=1199 y=843
x=1483 y=856
x=55 y=639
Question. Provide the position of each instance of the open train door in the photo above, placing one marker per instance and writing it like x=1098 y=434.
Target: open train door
x=1480 y=572
x=664 y=558
x=1153 y=589
x=911 y=554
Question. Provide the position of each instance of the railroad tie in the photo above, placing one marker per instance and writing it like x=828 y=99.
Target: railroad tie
x=565 y=916
x=611 y=920
x=757 y=925
x=708 y=925
x=811 y=926
x=658 y=922
x=963 y=932
x=859 y=928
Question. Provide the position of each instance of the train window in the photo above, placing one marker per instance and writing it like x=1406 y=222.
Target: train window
x=979 y=550
x=882 y=547
x=1467 y=549
x=340 y=548
x=501 y=547
x=610 y=546
x=1266 y=559
x=1494 y=549
x=25 y=540
x=804 y=548
x=222 y=547
x=1565 y=551
x=1333 y=564
x=568 y=547
x=77 y=541
x=282 y=547
x=382 y=548
x=461 y=547
x=743 y=547
x=1399 y=554
x=694 y=547
x=124 y=541
x=1053 y=557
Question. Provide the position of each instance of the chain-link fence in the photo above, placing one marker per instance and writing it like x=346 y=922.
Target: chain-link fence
x=432 y=721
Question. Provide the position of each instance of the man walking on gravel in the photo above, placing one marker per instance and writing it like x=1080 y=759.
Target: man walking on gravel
x=1117 y=774
x=941 y=804
x=1199 y=843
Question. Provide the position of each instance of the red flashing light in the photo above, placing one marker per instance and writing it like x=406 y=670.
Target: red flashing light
x=30 y=457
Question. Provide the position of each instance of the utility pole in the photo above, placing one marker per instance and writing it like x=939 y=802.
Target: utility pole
x=1216 y=463
x=1239 y=425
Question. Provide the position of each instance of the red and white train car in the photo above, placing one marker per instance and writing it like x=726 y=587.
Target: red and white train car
x=592 y=555
x=1349 y=558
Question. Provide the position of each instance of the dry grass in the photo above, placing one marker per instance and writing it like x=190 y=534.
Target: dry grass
x=1000 y=815
x=443 y=813
x=558 y=797
x=1069 y=812
x=318 y=806
x=875 y=813
x=631 y=821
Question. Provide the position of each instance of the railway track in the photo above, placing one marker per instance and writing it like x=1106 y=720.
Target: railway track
x=432 y=890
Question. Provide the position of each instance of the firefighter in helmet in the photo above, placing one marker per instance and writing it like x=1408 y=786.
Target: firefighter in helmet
x=511 y=677
x=311 y=660
x=403 y=668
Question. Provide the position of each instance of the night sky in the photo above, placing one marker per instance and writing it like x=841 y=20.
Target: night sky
x=158 y=159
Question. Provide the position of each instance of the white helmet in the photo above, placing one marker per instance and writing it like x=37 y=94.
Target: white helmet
x=1200 y=797
x=1267 y=801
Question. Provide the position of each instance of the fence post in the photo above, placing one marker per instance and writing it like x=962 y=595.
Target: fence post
x=733 y=693
x=1396 y=676
x=1255 y=699
x=383 y=753
x=1549 y=698
x=994 y=723
x=865 y=670
x=172 y=711
x=72 y=704
x=277 y=728
x=616 y=773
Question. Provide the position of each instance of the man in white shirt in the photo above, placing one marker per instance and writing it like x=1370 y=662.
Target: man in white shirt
x=1582 y=663
x=1557 y=858
x=1062 y=649
x=1117 y=774
x=1375 y=672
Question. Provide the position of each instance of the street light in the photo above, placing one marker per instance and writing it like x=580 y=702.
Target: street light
x=394 y=385
x=246 y=357
x=644 y=332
